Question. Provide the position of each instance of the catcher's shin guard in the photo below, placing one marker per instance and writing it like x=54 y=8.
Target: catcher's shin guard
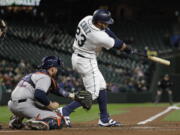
x=46 y=124
x=37 y=125
x=55 y=123
x=16 y=122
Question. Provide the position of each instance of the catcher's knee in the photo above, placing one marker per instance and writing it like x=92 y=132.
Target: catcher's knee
x=54 y=123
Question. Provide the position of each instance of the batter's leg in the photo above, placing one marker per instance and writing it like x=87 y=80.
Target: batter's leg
x=102 y=101
x=70 y=108
x=105 y=121
x=67 y=110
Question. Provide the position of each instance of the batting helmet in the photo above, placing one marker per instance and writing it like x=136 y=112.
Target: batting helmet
x=51 y=61
x=102 y=15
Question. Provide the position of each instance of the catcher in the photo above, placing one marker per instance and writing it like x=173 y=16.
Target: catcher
x=29 y=98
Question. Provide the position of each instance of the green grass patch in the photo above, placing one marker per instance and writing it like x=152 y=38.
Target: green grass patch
x=4 y=114
x=80 y=115
x=173 y=116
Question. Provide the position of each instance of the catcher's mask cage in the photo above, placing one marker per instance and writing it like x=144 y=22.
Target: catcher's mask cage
x=51 y=61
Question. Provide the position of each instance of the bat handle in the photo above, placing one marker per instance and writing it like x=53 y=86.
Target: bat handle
x=138 y=53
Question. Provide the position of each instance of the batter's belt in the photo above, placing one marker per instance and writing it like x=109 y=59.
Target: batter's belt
x=80 y=55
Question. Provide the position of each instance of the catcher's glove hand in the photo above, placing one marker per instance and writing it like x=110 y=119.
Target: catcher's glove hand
x=85 y=99
x=3 y=28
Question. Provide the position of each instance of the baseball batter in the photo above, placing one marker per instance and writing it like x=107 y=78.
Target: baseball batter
x=33 y=89
x=91 y=36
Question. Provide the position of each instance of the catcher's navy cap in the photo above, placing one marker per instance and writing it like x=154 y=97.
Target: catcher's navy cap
x=51 y=61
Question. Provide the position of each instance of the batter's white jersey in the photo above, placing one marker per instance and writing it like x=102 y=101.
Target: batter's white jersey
x=89 y=40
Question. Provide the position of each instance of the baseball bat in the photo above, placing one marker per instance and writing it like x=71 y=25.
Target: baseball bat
x=155 y=59
x=159 y=60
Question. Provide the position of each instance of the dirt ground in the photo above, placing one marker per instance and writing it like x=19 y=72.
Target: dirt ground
x=129 y=127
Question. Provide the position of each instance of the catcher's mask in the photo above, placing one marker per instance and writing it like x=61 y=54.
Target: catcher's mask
x=51 y=61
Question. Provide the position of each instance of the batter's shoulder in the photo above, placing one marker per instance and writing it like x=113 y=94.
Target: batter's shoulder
x=88 y=17
x=99 y=35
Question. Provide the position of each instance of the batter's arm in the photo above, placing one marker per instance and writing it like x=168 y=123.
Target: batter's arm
x=118 y=44
x=122 y=47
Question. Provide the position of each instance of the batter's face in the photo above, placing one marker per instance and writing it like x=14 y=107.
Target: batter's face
x=102 y=25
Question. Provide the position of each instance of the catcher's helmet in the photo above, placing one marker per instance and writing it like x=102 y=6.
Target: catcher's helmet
x=102 y=15
x=51 y=61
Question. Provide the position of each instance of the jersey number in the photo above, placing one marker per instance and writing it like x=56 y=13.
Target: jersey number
x=81 y=38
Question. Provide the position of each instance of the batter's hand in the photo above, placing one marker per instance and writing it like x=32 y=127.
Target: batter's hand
x=128 y=50
x=123 y=47
x=53 y=105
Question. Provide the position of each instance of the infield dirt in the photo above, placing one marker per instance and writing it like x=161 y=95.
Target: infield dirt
x=129 y=127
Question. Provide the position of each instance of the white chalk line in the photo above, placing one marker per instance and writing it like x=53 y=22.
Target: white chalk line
x=174 y=107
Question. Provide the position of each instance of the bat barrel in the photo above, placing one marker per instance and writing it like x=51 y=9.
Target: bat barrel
x=159 y=60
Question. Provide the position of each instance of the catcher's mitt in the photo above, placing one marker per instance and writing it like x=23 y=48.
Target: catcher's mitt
x=3 y=29
x=85 y=99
